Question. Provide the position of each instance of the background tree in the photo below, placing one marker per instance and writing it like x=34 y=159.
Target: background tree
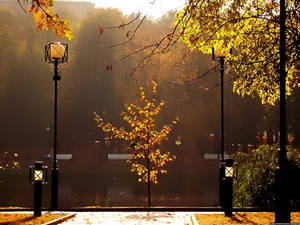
x=87 y=84
x=21 y=79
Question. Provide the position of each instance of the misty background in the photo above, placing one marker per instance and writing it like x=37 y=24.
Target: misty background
x=26 y=108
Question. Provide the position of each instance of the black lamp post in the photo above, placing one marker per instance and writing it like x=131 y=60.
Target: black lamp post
x=55 y=53
x=228 y=185
x=38 y=177
x=221 y=55
x=282 y=200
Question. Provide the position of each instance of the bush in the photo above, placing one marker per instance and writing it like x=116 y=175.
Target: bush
x=255 y=183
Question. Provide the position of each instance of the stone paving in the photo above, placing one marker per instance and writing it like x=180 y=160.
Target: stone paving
x=132 y=218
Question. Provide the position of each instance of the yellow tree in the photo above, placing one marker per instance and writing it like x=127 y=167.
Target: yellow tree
x=41 y=11
x=143 y=138
x=251 y=27
x=7 y=161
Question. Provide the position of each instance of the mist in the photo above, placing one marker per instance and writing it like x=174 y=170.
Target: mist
x=86 y=86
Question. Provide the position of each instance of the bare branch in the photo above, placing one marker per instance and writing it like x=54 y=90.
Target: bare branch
x=133 y=34
x=22 y=6
x=197 y=78
x=231 y=79
x=123 y=24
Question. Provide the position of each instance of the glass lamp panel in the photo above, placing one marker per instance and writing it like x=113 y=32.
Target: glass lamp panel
x=38 y=175
x=228 y=171
x=57 y=51
x=221 y=52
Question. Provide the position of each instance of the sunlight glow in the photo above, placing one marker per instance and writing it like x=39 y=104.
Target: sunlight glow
x=155 y=8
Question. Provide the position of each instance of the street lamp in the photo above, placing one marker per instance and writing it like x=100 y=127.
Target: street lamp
x=38 y=176
x=282 y=200
x=229 y=168
x=221 y=54
x=55 y=53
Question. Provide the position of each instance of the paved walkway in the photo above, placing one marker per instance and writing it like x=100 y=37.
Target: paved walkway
x=132 y=218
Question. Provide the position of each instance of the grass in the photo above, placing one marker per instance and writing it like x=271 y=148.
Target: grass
x=250 y=218
x=28 y=218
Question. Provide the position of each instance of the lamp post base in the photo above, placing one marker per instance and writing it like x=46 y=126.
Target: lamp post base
x=282 y=210
x=222 y=191
x=228 y=186
x=54 y=189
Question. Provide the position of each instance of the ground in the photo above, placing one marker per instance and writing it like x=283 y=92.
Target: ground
x=28 y=218
x=250 y=218
x=253 y=218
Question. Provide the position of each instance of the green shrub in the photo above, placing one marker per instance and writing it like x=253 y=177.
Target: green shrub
x=255 y=183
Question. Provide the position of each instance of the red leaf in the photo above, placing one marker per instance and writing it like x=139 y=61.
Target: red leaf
x=109 y=68
x=101 y=30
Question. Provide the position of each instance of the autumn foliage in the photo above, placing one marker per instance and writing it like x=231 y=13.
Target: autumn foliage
x=143 y=138
x=46 y=19
x=252 y=29
x=8 y=161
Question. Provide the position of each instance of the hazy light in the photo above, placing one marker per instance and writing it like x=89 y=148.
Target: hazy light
x=155 y=8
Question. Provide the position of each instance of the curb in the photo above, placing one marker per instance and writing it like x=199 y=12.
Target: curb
x=60 y=220
x=194 y=220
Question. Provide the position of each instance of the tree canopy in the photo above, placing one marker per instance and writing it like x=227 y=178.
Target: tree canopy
x=251 y=28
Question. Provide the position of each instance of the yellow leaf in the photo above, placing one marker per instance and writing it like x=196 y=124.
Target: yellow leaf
x=178 y=142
